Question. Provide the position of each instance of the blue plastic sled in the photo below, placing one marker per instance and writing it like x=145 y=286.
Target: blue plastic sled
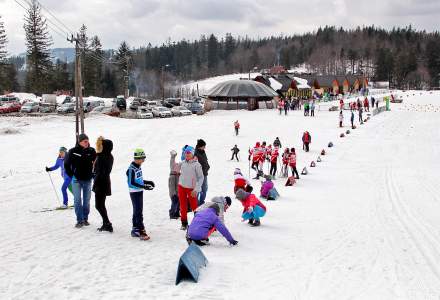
x=189 y=264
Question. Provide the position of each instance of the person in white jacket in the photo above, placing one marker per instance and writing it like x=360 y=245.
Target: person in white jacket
x=190 y=184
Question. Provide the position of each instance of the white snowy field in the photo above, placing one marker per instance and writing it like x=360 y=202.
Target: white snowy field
x=364 y=224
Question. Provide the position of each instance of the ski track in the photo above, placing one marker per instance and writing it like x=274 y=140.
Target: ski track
x=361 y=225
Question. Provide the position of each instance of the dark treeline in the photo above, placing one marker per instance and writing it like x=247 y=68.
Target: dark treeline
x=406 y=57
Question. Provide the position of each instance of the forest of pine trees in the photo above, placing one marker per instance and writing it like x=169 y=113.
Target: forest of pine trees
x=405 y=57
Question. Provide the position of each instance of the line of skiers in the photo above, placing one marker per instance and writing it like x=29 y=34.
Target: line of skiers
x=261 y=153
x=359 y=105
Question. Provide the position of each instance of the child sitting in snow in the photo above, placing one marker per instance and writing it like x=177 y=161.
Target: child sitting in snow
x=204 y=223
x=253 y=209
x=268 y=190
x=239 y=181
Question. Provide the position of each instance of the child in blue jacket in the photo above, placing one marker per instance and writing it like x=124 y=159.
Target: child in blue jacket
x=59 y=163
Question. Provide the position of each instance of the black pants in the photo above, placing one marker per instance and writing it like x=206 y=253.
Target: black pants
x=306 y=146
x=312 y=113
x=175 y=207
x=236 y=131
x=352 y=123
x=295 y=172
x=255 y=165
x=285 y=111
x=360 y=119
x=273 y=169
x=234 y=155
x=100 y=207
x=137 y=199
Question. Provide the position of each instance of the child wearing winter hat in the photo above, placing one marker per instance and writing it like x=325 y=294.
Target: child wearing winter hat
x=268 y=190
x=223 y=203
x=239 y=181
x=59 y=164
x=253 y=209
x=203 y=224
x=173 y=182
x=136 y=186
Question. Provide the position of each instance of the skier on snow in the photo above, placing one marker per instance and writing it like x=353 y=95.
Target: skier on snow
x=235 y=151
x=59 y=164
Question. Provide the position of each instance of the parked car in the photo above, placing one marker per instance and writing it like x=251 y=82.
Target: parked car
x=153 y=103
x=161 y=112
x=10 y=107
x=47 y=107
x=166 y=104
x=195 y=108
x=66 y=108
x=120 y=102
x=180 y=111
x=30 y=107
x=138 y=102
x=67 y=99
x=90 y=105
x=106 y=110
x=174 y=101
x=144 y=112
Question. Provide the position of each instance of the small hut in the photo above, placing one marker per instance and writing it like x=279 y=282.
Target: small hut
x=237 y=94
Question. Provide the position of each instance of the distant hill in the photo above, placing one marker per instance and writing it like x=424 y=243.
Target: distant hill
x=63 y=54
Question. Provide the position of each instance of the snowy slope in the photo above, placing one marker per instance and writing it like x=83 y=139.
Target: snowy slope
x=363 y=225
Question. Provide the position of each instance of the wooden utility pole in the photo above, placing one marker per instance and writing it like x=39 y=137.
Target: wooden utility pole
x=79 y=107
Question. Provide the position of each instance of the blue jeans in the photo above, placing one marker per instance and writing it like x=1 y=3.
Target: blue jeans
x=137 y=199
x=202 y=194
x=82 y=206
x=175 y=207
x=64 y=187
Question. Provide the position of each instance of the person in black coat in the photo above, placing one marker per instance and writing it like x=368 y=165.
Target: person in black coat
x=78 y=165
x=203 y=160
x=102 y=184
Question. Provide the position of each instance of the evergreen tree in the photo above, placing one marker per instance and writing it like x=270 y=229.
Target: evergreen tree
x=96 y=66
x=384 y=65
x=38 y=41
x=3 y=42
x=123 y=58
x=212 y=54
x=432 y=54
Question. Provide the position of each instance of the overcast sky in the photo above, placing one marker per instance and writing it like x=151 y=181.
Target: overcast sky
x=142 y=21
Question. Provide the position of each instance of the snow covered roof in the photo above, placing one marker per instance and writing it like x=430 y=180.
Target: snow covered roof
x=241 y=89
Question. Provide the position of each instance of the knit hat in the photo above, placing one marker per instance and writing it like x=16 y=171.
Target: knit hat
x=228 y=200
x=188 y=149
x=241 y=194
x=200 y=143
x=139 y=153
x=237 y=171
x=82 y=137
x=63 y=149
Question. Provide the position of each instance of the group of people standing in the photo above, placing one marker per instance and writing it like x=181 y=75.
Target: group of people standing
x=286 y=104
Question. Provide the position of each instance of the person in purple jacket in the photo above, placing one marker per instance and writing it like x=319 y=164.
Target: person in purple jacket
x=203 y=223
x=59 y=163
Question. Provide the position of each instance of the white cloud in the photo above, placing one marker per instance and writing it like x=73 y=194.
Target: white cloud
x=142 y=21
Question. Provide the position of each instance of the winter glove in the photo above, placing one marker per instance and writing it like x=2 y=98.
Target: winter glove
x=233 y=243
x=194 y=193
x=149 y=185
x=173 y=153
x=47 y=169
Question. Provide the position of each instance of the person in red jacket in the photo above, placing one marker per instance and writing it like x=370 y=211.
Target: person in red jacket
x=274 y=162
x=307 y=139
x=284 y=170
x=236 y=127
x=263 y=156
x=268 y=152
x=256 y=154
x=366 y=104
x=239 y=181
x=341 y=104
x=253 y=209
x=292 y=163
x=281 y=105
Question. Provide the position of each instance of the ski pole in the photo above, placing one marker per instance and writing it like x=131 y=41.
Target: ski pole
x=53 y=186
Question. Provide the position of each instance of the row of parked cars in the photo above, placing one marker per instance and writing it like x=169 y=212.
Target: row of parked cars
x=169 y=107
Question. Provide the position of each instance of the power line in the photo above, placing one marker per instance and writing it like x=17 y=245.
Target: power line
x=65 y=26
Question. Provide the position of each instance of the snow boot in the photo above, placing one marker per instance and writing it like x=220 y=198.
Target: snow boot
x=135 y=232
x=143 y=235
x=251 y=221
x=79 y=225
x=64 y=206
x=86 y=223
x=184 y=225
x=106 y=227
x=256 y=223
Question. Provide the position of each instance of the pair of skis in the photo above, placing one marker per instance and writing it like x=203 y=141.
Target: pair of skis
x=47 y=209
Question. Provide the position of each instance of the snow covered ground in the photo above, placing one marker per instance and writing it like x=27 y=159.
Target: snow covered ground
x=364 y=224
